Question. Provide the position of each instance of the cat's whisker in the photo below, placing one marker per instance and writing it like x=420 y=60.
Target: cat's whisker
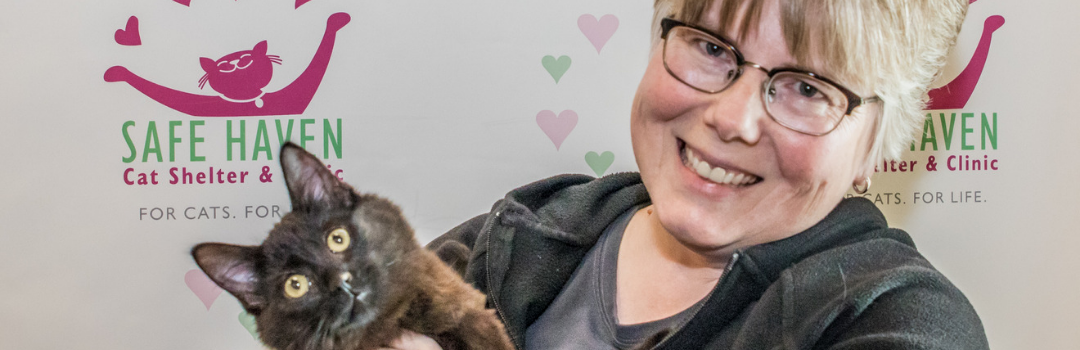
x=203 y=80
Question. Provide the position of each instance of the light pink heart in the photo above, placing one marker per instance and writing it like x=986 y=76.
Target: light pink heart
x=129 y=36
x=202 y=286
x=558 y=127
x=598 y=31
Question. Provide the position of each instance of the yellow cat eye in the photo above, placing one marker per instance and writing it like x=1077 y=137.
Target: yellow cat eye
x=338 y=240
x=296 y=286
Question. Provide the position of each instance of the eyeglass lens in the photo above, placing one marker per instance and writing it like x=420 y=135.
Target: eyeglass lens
x=794 y=99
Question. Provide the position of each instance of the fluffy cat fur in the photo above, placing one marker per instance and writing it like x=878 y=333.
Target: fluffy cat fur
x=362 y=290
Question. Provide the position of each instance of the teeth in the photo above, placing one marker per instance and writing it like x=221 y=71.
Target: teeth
x=703 y=169
x=717 y=174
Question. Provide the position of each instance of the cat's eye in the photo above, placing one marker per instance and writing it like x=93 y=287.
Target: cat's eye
x=296 y=286
x=338 y=240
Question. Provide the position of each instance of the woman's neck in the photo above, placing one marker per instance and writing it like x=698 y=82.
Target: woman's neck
x=657 y=276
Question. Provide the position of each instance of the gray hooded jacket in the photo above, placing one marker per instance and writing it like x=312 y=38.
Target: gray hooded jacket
x=848 y=282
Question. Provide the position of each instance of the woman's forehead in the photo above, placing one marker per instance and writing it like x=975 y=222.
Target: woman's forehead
x=759 y=22
x=810 y=35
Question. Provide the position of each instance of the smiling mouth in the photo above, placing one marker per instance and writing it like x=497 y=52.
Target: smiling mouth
x=714 y=173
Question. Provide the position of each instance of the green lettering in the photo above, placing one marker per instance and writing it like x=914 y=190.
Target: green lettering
x=304 y=137
x=947 y=129
x=288 y=132
x=230 y=140
x=987 y=131
x=329 y=138
x=262 y=142
x=151 y=134
x=127 y=139
x=928 y=134
x=194 y=140
x=964 y=131
x=173 y=140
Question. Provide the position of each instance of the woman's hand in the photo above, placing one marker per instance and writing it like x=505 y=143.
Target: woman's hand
x=413 y=341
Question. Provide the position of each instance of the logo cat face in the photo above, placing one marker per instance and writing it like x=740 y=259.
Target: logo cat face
x=239 y=79
x=240 y=75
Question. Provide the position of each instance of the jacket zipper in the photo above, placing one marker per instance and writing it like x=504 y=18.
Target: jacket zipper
x=494 y=299
x=727 y=270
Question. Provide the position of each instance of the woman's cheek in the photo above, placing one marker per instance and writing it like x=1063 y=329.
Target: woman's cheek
x=810 y=162
x=662 y=97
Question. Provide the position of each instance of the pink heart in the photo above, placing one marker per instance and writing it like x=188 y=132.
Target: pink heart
x=598 y=31
x=202 y=286
x=129 y=36
x=184 y=2
x=300 y=2
x=557 y=127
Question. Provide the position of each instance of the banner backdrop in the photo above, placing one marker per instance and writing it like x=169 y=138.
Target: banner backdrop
x=121 y=151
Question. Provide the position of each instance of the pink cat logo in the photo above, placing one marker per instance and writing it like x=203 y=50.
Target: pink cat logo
x=956 y=93
x=239 y=79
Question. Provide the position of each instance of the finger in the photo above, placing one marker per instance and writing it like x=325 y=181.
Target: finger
x=414 y=341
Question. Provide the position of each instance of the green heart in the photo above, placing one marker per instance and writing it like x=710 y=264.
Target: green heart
x=248 y=321
x=556 y=67
x=599 y=162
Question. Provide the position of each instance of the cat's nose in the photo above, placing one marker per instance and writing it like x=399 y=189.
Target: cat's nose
x=346 y=278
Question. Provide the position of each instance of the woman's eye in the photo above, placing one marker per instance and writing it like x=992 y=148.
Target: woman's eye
x=338 y=240
x=712 y=49
x=296 y=286
x=807 y=90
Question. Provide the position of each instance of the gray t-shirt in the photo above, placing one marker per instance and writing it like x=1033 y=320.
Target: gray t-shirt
x=583 y=314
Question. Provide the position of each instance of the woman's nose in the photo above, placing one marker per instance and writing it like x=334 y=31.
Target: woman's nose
x=736 y=113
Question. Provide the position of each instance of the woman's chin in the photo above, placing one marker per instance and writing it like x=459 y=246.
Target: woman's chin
x=698 y=230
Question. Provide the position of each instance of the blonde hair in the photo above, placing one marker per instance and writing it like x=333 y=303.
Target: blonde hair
x=894 y=47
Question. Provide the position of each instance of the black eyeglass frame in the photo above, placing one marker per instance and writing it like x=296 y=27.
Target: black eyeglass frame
x=854 y=101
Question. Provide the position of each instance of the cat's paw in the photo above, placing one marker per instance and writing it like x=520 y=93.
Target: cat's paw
x=336 y=21
x=455 y=254
x=117 y=73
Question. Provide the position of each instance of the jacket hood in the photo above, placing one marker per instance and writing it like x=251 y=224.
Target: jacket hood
x=536 y=236
x=574 y=208
x=854 y=220
x=577 y=208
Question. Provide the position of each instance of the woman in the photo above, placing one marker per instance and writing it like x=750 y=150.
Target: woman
x=752 y=121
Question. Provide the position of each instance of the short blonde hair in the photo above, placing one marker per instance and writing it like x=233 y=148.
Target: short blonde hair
x=894 y=47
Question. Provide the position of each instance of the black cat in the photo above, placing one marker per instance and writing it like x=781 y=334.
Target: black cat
x=343 y=271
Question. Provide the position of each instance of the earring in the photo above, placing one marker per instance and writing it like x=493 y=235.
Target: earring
x=862 y=190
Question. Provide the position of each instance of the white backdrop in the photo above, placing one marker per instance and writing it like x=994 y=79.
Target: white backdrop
x=444 y=106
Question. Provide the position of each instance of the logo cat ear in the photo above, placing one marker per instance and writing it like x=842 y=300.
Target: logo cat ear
x=232 y=267
x=311 y=185
x=260 y=48
x=208 y=65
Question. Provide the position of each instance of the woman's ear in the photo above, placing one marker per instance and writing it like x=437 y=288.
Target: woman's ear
x=865 y=171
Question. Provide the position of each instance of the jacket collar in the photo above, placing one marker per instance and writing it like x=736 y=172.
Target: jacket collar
x=574 y=209
x=854 y=219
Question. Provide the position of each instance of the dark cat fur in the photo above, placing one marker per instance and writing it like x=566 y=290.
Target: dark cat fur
x=395 y=284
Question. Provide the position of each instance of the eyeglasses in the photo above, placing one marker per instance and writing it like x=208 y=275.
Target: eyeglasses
x=799 y=100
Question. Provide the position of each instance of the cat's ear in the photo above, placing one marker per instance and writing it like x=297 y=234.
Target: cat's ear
x=260 y=48
x=208 y=65
x=311 y=185
x=232 y=267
